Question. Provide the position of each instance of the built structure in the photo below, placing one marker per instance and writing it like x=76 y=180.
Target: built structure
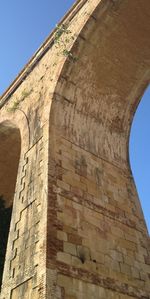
x=77 y=229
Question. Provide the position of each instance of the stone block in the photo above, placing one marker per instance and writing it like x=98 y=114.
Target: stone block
x=70 y=248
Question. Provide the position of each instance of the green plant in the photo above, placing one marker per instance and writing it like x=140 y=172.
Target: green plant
x=25 y=94
x=60 y=29
x=16 y=103
x=62 y=38
x=14 y=106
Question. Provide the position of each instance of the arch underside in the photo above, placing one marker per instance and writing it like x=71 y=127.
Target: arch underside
x=91 y=114
x=10 y=146
x=97 y=96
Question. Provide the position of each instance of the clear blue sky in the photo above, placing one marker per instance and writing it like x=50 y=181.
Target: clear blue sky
x=24 y=25
x=140 y=153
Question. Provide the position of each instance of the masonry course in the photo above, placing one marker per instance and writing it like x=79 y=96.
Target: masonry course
x=77 y=228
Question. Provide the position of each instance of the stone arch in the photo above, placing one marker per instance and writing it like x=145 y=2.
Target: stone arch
x=19 y=120
x=106 y=82
x=10 y=148
x=76 y=204
x=91 y=114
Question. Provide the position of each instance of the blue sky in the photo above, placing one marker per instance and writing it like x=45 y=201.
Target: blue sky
x=24 y=25
x=140 y=153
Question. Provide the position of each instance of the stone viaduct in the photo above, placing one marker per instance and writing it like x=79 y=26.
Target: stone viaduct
x=77 y=229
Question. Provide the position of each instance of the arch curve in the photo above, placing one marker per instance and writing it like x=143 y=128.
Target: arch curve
x=139 y=151
x=19 y=121
x=101 y=90
x=91 y=114
x=10 y=148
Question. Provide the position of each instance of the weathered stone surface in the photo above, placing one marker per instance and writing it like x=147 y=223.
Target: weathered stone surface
x=77 y=228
